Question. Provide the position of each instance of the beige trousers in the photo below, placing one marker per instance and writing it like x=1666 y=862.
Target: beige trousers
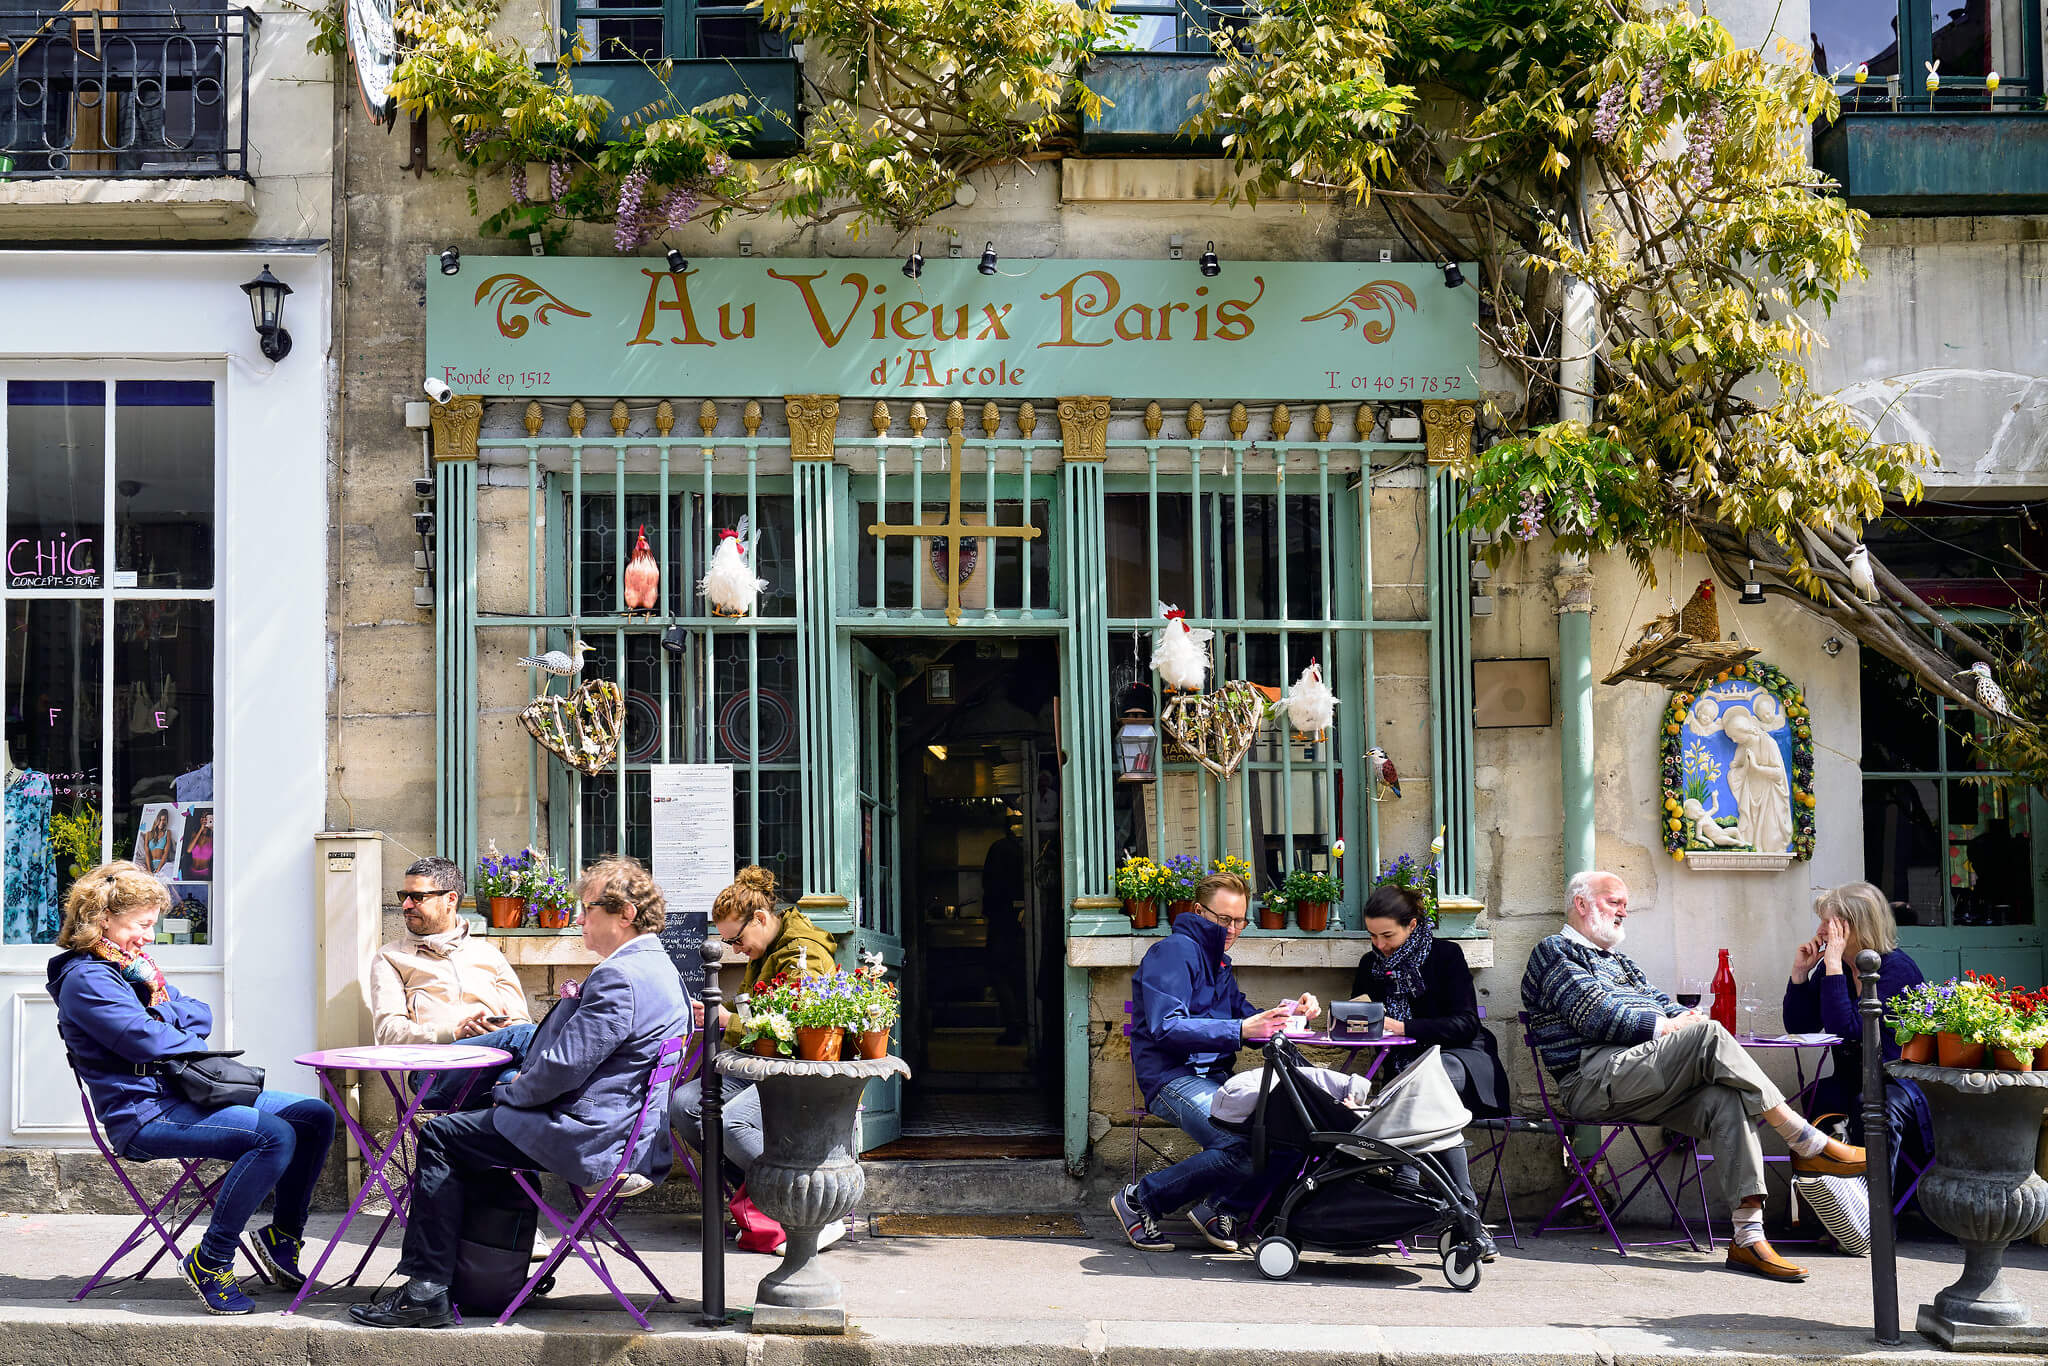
x=1698 y=1081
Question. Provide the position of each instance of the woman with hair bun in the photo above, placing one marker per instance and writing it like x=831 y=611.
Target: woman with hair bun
x=116 y=1014
x=773 y=942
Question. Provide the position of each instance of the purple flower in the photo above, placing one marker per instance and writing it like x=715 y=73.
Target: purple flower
x=558 y=179
x=1607 y=114
x=630 y=231
x=570 y=987
x=1529 y=523
x=516 y=182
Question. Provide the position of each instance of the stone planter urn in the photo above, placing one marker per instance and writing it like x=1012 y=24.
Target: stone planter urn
x=808 y=1176
x=1983 y=1190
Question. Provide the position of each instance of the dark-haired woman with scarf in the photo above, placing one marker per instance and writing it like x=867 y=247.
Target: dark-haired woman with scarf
x=1427 y=990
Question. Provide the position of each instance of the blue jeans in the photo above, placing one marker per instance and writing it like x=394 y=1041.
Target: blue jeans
x=1218 y=1173
x=280 y=1143
x=445 y=1089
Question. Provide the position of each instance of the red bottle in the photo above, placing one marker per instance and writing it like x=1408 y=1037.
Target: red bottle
x=1723 y=1009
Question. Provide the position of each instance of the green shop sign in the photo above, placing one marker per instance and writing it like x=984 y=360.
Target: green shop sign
x=1301 y=330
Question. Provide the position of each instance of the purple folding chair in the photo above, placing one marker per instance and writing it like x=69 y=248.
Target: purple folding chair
x=692 y=1065
x=1585 y=1171
x=590 y=1229
x=154 y=1215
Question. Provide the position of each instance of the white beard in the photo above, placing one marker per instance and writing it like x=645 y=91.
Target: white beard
x=1608 y=934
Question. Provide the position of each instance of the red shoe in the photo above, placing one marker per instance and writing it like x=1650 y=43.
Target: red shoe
x=758 y=1233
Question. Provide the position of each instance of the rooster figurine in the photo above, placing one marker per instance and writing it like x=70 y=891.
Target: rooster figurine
x=1180 y=653
x=1386 y=780
x=729 y=584
x=1700 y=618
x=1311 y=706
x=643 y=578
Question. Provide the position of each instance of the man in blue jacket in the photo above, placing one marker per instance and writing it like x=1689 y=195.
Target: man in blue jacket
x=1188 y=1019
x=572 y=1105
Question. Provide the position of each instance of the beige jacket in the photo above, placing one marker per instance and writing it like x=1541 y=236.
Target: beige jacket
x=421 y=987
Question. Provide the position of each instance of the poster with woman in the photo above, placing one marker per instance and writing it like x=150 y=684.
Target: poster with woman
x=200 y=845
x=157 y=839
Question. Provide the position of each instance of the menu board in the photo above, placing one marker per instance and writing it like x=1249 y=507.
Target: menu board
x=693 y=855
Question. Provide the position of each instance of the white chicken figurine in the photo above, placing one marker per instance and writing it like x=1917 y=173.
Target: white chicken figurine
x=729 y=584
x=1180 y=652
x=1311 y=706
x=1861 y=576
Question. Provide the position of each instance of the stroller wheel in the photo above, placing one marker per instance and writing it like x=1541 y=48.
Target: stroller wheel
x=1446 y=1241
x=1276 y=1258
x=1461 y=1267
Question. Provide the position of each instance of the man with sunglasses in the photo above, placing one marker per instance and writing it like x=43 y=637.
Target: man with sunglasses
x=441 y=984
x=1188 y=1020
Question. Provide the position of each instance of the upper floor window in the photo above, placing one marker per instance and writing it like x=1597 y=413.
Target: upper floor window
x=1176 y=25
x=634 y=30
x=1896 y=39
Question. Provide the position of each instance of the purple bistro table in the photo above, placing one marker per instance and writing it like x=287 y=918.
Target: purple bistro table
x=1323 y=1039
x=393 y=1063
x=1798 y=1098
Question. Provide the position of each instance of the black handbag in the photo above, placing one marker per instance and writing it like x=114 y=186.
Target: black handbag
x=1357 y=1019
x=211 y=1081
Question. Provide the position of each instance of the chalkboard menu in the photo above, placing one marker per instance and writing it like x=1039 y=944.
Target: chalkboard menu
x=683 y=937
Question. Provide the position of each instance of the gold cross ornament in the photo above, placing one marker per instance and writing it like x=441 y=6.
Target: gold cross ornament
x=953 y=530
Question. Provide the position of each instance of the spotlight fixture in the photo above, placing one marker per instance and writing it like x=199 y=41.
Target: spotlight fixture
x=266 y=308
x=674 y=639
x=1752 y=591
x=988 y=259
x=1453 y=277
x=913 y=264
x=1209 y=265
x=423 y=489
x=676 y=264
x=451 y=260
x=437 y=389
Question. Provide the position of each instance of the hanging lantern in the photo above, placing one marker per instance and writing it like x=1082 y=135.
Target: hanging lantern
x=1134 y=746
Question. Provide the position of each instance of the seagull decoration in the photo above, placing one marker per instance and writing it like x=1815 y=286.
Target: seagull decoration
x=560 y=664
x=1861 y=576
x=1990 y=696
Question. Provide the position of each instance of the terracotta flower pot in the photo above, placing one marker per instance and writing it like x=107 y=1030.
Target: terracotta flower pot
x=1144 y=914
x=1919 y=1048
x=506 y=912
x=1179 y=909
x=1951 y=1051
x=767 y=1046
x=819 y=1045
x=2008 y=1061
x=1313 y=916
x=2041 y=1058
x=1272 y=919
x=554 y=917
x=874 y=1043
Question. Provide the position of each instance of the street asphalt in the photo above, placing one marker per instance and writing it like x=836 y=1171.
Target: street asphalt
x=1088 y=1299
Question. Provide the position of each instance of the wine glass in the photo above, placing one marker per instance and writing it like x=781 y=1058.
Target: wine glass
x=1749 y=1005
x=1690 y=992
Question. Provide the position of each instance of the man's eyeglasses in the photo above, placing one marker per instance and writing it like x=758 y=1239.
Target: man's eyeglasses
x=1228 y=922
x=405 y=898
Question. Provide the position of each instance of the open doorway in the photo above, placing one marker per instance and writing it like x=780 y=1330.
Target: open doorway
x=979 y=782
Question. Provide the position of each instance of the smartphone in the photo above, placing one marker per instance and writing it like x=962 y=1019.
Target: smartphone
x=1288 y=1007
x=496 y=1019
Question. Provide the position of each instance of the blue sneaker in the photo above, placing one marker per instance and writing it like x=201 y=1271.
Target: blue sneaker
x=1138 y=1224
x=1220 y=1229
x=279 y=1253
x=217 y=1290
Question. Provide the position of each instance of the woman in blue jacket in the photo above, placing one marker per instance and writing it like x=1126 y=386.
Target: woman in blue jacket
x=1821 y=997
x=116 y=1013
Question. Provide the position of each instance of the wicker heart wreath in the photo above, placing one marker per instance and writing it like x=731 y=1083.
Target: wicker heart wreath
x=1216 y=729
x=581 y=729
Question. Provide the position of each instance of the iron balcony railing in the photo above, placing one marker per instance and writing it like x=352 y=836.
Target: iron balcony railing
x=145 y=90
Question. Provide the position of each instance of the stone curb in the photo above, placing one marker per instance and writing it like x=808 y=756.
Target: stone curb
x=91 y=1337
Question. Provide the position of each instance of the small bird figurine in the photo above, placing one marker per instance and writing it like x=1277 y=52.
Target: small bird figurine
x=557 y=664
x=1180 y=652
x=1990 y=696
x=1862 y=72
x=1383 y=773
x=1933 y=75
x=1861 y=576
x=1311 y=706
x=729 y=583
x=642 y=583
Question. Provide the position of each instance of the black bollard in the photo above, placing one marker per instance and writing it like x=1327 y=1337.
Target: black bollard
x=1877 y=1143
x=713 y=1113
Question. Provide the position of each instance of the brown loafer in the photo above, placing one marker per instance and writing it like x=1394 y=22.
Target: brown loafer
x=1836 y=1159
x=1761 y=1259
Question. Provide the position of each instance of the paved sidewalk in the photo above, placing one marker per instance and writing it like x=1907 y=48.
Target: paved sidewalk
x=1001 y=1302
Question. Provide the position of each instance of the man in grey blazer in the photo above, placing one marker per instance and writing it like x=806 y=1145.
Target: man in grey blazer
x=571 y=1106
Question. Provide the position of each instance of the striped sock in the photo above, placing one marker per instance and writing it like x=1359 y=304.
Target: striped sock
x=1748 y=1226
x=1802 y=1138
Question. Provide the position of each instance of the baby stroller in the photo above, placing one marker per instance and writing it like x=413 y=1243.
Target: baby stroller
x=1352 y=1182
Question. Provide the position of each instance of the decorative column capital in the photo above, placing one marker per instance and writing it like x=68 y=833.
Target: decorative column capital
x=1447 y=430
x=1574 y=590
x=1084 y=428
x=813 y=421
x=456 y=424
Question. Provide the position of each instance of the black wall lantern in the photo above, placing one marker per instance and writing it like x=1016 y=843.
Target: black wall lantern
x=266 y=308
